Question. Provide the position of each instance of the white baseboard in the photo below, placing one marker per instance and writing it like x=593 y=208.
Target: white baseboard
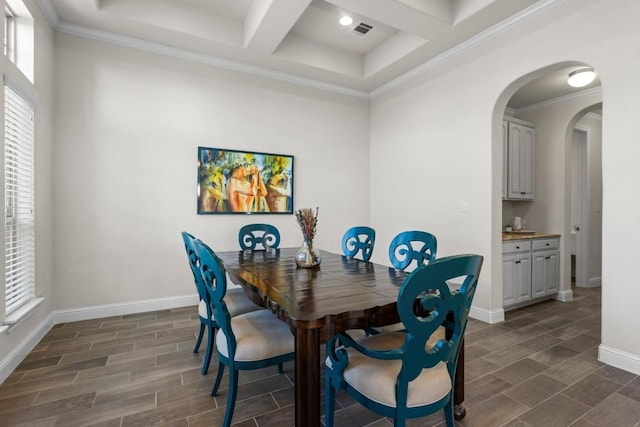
x=564 y=296
x=14 y=358
x=487 y=316
x=594 y=282
x=109 y=310
x=619 y=359
x=17 y=355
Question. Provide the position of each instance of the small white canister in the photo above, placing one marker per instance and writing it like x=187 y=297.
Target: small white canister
x=517 y=223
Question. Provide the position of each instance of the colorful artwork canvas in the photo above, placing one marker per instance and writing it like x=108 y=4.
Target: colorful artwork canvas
x=242 y=182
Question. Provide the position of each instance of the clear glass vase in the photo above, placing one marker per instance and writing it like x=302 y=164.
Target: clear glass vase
x=307 y=256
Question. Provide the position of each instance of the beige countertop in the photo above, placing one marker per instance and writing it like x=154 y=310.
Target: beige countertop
x=521 y=236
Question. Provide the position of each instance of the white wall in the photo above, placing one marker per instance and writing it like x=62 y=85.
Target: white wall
x=439 y=139
x=128 y=125
x=17 y=342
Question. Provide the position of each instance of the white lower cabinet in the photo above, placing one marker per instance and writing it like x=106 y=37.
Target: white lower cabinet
x=516 y=272
x=530 y=270
x=546 y=267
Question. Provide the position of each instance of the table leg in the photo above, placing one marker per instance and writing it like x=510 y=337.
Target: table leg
x=307 y=391
x=459 y=411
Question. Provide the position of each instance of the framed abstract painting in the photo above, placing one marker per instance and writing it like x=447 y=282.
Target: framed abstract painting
x=244 y=182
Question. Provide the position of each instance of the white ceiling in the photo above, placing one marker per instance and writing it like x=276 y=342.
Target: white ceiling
x=301 y=40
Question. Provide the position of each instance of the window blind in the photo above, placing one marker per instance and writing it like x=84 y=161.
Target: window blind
x=19 y=225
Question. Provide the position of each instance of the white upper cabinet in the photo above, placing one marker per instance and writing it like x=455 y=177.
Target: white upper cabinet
x=519 y=158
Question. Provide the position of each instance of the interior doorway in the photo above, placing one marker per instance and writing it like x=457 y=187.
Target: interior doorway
x=586 y=203
x=579 y=207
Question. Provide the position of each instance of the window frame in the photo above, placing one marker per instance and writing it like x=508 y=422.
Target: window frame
x=10 y=30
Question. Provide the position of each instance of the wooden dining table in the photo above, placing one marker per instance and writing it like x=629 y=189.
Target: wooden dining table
x=340 y=294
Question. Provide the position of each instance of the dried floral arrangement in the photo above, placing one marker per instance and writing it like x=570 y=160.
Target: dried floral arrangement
x=307 y=221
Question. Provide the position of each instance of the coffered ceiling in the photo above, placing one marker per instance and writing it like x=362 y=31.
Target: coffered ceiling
x=297 y=40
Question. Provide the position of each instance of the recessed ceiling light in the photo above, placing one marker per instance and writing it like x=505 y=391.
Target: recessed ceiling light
x=581 y=77
x=346 y=20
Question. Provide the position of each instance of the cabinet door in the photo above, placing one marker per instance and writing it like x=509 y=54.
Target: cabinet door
x=552 y=273
x=516 y=277
x=546 y=273
x=520 y=168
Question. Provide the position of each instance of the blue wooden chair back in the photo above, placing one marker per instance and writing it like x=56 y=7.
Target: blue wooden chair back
x=430 y=285
x=258 y=237
x=359 y=239
x=412 y=246
x=215 y=282
x=194 y=263
x=206 y=318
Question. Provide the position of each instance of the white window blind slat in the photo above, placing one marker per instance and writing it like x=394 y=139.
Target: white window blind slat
x=18 y=201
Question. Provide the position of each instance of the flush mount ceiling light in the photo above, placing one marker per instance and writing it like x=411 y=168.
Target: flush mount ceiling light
x=581 y=77
x=346 y=20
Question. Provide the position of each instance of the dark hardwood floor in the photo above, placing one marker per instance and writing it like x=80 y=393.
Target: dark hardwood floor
x=538 y=368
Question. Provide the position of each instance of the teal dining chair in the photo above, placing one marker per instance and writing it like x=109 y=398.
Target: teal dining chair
x=249 y=341
x=359 y=239
x=412 y=249
x=258 y=237
x=237 y=302
x=408 y=374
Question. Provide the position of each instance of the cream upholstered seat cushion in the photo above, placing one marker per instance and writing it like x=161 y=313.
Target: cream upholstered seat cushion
x=376 y=379
x=237 y=303
x=397 y=327
x=259 y=335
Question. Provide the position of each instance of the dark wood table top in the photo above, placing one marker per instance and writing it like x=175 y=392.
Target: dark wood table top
x=342 y=292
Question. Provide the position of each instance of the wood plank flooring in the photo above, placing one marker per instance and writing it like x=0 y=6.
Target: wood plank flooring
x=538 y=368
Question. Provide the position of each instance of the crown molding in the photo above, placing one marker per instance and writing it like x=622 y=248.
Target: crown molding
x=135 y=43
x=49 y=12
x=468 y=44
x=594 y=116
x=558 y=100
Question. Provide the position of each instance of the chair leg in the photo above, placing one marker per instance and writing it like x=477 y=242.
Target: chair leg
x=200 y=335
x=329 y=402
x=231 y=399
x=399 y=421
x=448 y=413
x=214 y=391
x=207 y=356
x=280 y=368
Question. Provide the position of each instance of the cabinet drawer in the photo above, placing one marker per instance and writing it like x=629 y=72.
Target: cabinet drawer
x=516 y=247
x=540 y=244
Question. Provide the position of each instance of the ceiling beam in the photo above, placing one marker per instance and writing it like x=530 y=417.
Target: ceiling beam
x=269 y=21
x=425 y=22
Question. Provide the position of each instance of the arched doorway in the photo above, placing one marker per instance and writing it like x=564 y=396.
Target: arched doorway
x=554 y=115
